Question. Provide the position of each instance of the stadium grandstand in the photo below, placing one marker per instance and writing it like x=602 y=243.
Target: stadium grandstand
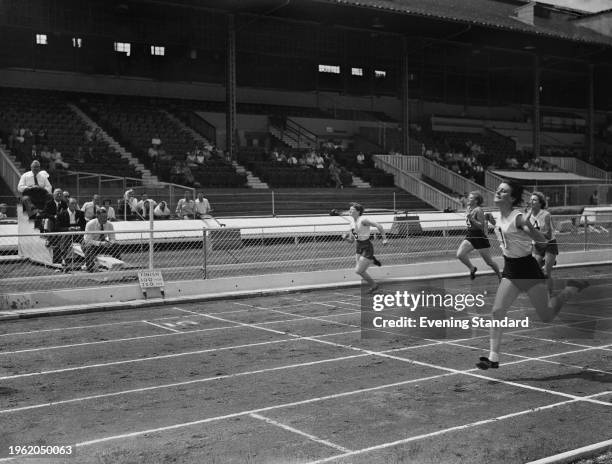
x=194 y=163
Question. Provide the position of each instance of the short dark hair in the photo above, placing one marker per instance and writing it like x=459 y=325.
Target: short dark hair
x=517 y=192
x=358 y=207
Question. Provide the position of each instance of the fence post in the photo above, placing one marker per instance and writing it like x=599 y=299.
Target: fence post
x=564 y=194
x=273 y=210
x=151 y=244
x=78 y=186
x=205 y=252
x=394 y=203
x=586 y=232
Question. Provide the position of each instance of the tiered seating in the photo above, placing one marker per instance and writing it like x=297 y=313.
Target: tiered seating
x=277 y=174
x=366 y=170
x=136 y=122
x=53 y=124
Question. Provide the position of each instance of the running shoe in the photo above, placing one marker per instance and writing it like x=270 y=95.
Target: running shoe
x=376 y=262
x=473 y=273
x=485 y=364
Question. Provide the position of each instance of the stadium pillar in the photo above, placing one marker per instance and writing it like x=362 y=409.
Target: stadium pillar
x=405 y=80
x=230 y=88
x=536 y=105
x=590 y=123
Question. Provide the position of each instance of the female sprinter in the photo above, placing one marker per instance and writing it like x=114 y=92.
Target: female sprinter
x=476 y=236
x=545 y=252
x=521 y=271
x=360 y=231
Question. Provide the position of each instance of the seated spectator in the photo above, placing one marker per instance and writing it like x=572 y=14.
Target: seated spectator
x=185 y=209
x=70 y=220
x=110 y=211
x=360 y=158
x=162 y=211
x=156 y=141
x=594 y=198
x=66 y=196
x=3 y=208
x=130 y=202
x=142 y=206
x=57 y=162
x=90 y=208
x=202 y=206
x=99 y=239
x=292 y=160
x=35 y=187
x=192 y=160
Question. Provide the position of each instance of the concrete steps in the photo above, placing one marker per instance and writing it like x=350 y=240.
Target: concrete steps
x=253 y=181
x=147 y=177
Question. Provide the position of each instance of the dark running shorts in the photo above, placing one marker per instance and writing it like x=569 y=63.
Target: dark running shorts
x=548 y=247
x=365 y=249
x=477 y=239
x=524 y=272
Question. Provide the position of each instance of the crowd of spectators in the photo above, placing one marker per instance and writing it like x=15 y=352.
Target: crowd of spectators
x=467 y=161
x=55 y=210
x=322 y=161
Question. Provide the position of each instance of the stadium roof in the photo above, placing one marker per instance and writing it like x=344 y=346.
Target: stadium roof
x=499 y=14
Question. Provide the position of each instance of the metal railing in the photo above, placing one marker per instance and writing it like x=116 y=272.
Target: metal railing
x=414 y=185
x=209 y=253
x=9 y=172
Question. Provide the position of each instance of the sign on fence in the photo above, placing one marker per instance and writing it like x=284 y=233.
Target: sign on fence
x=150 y=279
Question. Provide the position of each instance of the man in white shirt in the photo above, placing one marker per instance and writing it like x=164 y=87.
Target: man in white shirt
x=35 y=187
x=131 y=202
x=185 y=209
x=144 y=204
x=99 y=239
x=90 y=208
x=202 y=206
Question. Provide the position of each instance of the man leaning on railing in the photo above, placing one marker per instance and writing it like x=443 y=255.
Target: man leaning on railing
x=99 y=239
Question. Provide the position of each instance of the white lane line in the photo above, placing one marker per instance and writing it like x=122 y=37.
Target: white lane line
x=162 y=327
x=209 y=379
x=151 y=358
x=94 y=326
x=576 y=454
x=144 y=337
x=541 y=358
x=300 y=432
x=444 y=431
x=424 y=364
x=291 y=338
x=256 y=411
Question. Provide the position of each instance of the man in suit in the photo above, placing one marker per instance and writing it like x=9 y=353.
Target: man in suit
x=70 y=220
x=99 y=239
x=52 y=208
x=35 y=187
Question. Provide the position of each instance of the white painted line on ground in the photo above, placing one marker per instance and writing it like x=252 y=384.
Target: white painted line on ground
x=299 y=432
x=540 y=358
x=256 y=411
x=94 y=326
x=144 y=337
x=444 y=431
x=151 y=358
x=208 y=379
x=420 y=363
x=576 y=454
x=162 y=327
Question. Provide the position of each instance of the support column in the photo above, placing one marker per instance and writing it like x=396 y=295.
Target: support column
x=230 y=88
x=405 y=82
x=536 y=105
x=590 y=122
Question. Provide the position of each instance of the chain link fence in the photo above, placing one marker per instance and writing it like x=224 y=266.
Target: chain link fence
x=66 y=260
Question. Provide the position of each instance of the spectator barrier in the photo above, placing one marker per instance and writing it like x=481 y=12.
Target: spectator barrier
x=204 y=250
